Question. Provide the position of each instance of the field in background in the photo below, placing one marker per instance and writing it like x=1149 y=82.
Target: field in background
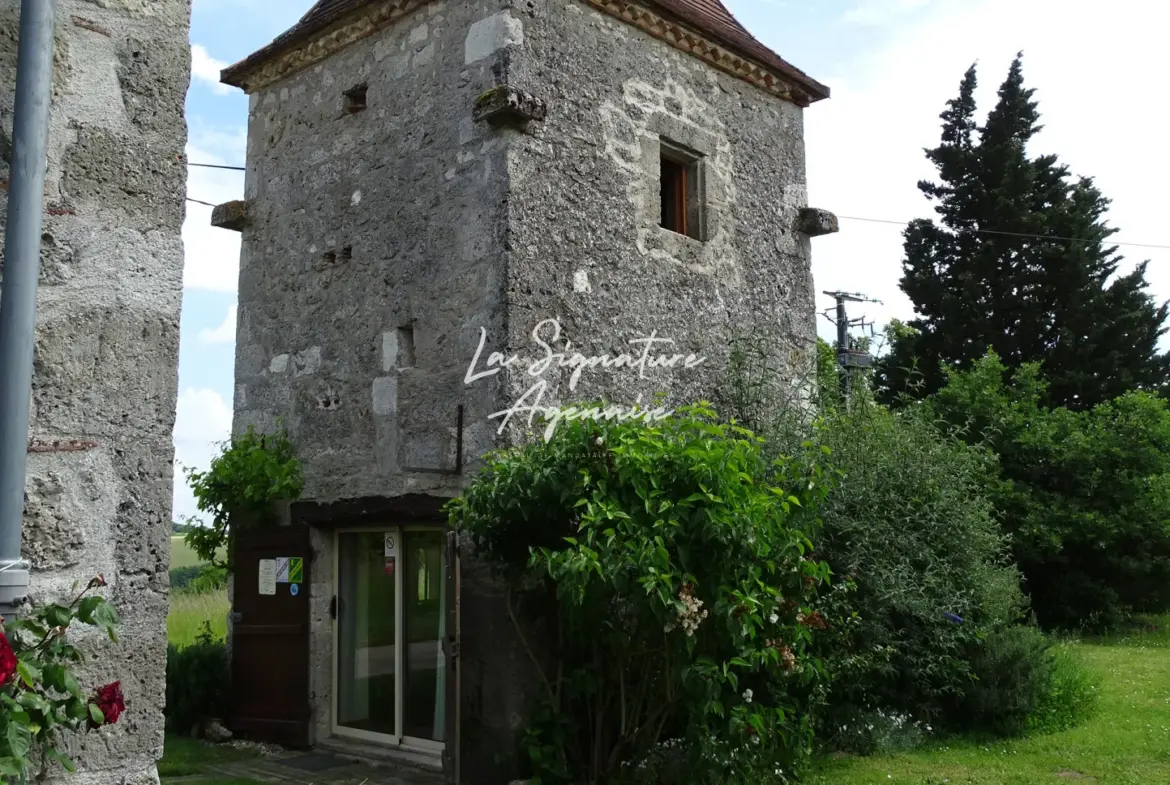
x=189 y=611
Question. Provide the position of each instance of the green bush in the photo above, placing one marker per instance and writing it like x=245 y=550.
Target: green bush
x=1085 y=495
x=199 y=578
x=1022 y=683
x=911 y=524
x=671 y=560
x=198 y=682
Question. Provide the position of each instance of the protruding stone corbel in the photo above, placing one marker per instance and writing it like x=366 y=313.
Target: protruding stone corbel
x=505 y=105
x=814 y=222
x=230 y=215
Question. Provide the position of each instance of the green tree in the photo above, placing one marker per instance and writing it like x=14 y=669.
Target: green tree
x=1085 y=495
x=983 y=276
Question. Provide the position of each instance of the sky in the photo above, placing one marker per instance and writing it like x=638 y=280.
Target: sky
x=891 y=65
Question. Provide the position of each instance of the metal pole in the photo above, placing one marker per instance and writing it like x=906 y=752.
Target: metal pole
x=843 y=348
x=18 y=290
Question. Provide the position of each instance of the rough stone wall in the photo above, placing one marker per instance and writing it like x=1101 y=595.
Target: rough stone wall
x=584 y=209
x=107 y=342
x=361 y=225
x=410 y=213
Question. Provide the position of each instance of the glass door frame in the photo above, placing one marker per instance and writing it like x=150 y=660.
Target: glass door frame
x=428 y=746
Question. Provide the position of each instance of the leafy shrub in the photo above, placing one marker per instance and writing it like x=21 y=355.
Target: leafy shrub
x=1023 y=683
x=251 y=474
x=673 y=562
x=199 y=578
x=198 y=682
x=1085 y=495
x=911 y=524
x=181 y=577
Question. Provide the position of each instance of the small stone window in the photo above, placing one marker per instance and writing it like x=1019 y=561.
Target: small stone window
x=682 y=189
x=406 y=346
x=346 y=253
x=355 y=99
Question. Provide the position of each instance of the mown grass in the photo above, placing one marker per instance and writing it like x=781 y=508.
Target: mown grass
x=1126 y=741
x=184 y=757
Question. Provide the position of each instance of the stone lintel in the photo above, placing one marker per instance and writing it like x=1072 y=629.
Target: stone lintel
x=505 y=105
x=230 y=215
x=814 y=222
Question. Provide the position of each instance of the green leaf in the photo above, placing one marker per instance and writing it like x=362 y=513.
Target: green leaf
x=19 y=739
x=29 y=673
x=96 y=715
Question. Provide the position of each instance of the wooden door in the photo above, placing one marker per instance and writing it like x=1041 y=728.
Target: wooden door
x=270 y=636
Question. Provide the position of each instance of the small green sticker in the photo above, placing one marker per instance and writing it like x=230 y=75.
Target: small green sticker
x=296 y=570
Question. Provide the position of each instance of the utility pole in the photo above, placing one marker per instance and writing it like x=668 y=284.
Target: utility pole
x=846 y=357
x=18 y=292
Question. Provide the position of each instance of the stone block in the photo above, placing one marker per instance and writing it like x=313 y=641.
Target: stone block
x=505 y=105
x=815 y=222
x=230 y=215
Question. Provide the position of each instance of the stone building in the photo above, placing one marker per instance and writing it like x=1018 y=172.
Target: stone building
x=107 y=342
x=429 y=177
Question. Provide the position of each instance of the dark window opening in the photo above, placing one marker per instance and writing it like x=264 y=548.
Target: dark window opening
x=355 y=99
x=346 y=253
x=682 y=211
x=406 y=346
x=330 y=258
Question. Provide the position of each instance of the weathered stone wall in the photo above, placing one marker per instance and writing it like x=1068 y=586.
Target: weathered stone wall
x=584 y=207
x=371 y=258
x=107 y=341
x=410 y=213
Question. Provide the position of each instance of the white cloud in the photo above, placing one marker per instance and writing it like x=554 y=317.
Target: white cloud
x=1092 y=73
x=206 y=69
x=212 y=256
x=225 y=333
x=202 y=421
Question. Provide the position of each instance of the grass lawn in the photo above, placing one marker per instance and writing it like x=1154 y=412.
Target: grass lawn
x=183 y=757
x=189 y=611
x=182 y=555
x=1127 y=741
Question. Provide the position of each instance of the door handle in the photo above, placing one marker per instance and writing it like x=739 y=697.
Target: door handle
x=333 y=607
x=235 y=617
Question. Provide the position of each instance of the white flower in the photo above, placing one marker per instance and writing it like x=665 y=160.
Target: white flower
x=773 y=618
x=747 y=695
x=600 y=440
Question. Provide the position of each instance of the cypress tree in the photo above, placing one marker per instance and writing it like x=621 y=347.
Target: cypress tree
x=991 y=273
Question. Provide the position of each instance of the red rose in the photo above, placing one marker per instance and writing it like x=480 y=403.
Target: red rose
x=7 y=660
x=109 y=700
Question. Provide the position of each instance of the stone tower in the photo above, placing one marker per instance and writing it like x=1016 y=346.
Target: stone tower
x=426 y=176
x=99 y=473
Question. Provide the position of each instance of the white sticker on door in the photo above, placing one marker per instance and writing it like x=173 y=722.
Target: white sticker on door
x=267 y=577
x=391 y=544
x=282 y=569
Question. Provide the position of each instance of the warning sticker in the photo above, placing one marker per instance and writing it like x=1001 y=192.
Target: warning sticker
x=390 y=566
x=391 y=545
x=282 y=569
x=296 y=569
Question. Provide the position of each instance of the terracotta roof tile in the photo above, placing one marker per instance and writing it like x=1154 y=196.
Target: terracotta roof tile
x=709 y=17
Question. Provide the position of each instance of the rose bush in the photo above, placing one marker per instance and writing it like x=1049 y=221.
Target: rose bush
x=39 y=694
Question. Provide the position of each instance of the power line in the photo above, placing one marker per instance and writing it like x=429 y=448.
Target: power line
x=849 y=218
x=1012 y=234
x=218 y=166
x=199 y=201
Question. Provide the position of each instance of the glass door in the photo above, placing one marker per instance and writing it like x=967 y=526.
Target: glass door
x=389 y=666
x=366 y=651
